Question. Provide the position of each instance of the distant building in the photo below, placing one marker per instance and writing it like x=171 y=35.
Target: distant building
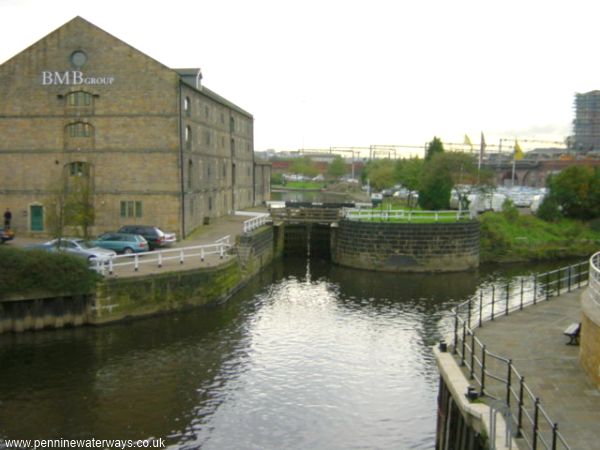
x=152 y=143
x=586 y=125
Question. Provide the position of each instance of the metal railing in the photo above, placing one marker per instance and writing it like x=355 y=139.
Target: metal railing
x=256 y=220
x=595 y=278
x=159 y=257
x=405 y=215
x=494 y=375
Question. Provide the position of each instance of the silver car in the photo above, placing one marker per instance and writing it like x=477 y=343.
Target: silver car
x=79 y=247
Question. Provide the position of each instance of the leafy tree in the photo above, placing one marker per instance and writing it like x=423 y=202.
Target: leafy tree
x=337 y=168
x=408 y=173
x=574 y=192
x=380 y=174
x=445 y=171
x=436 y=185
x=435 y=147
x=304 y=166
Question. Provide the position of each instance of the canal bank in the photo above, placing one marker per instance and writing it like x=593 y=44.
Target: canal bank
x=139 y=287
x=519 y=363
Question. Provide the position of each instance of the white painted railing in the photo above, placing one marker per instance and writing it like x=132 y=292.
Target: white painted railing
x=404 y=215
x=257 y=220
x=594 y=283
x=159 y=257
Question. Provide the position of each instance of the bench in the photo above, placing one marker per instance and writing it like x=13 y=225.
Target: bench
x=572 y=331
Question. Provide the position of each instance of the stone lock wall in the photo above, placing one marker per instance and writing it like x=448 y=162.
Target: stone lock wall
x=407 y=247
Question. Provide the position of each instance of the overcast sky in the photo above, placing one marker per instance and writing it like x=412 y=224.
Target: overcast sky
x=329 y=73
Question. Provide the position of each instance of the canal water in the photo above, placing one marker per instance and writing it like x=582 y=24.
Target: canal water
x=309 y=356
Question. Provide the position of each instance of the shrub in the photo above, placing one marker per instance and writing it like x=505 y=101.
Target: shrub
x=25 y=271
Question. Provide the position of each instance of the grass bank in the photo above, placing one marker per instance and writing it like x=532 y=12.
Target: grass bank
x=513 y=237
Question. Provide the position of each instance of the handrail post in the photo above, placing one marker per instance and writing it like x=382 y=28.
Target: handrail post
x=521 y=302
x=508 y=382
x=507 y=297
x=110 y=266
x=536 y=414
x=202 y=254
x=136 y=262
x=221 y=251
x=464 y=338
x=480 y=308
x=493 y=301
x=569 y=278
x=535 y=282
x=469 y=313
x=159 y=259
x=558 y=285
x=472 y=373
x=554 y=435
x=482 y=391
x=547 y=286
x=181 y=256
x=520 y=412
x=455 y=331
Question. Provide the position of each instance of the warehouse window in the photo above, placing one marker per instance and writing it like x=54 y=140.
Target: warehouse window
x=188 y=137
x=79 y=129
x=187 y=106
x=79 y=98
x=131 y=208
x=79 y=169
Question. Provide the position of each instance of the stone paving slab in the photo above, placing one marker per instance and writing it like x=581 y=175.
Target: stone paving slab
x=533 y=338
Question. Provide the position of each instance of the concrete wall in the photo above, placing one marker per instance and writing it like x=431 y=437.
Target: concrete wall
x=405 y=247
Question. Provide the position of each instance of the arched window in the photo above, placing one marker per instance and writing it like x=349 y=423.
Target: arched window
x=79 y=98
x=187 y=106
x=80 y=129
x=188 y=137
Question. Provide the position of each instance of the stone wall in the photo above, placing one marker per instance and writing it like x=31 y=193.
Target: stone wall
x=590 y=336
x=44 y=312
x=122 y=298
x=407 y=247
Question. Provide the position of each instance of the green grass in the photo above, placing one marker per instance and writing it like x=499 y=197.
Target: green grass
x=509 y=237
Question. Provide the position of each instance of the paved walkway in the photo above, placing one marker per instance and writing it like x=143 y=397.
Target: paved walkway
x=534 y=339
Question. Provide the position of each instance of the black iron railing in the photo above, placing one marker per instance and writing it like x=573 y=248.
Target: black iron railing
x=495 y=376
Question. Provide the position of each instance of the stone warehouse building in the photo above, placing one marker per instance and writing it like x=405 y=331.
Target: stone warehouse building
x=83 y=112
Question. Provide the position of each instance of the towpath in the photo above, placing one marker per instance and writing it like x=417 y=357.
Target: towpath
x=533 y=338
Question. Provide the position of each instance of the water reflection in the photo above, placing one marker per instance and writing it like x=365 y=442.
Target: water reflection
x=310 y=355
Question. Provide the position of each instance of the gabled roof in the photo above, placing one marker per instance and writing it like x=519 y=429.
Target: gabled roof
x=190 y=76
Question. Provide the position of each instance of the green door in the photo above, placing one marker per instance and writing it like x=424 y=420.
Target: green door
x=37 y=217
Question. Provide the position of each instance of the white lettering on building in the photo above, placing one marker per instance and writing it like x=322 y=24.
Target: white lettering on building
x=73 y=78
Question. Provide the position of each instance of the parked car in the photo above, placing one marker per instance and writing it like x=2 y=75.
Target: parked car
x=78 y=247
x=155 y=236
x=122 y=242
x=376 y=198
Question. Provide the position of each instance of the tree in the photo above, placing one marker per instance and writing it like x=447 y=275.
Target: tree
x=443 y=172
x=436 y=185
x=304 y=166
x=379 y=173
x=337 y=168
x=574 y=193
x=435 y=147
x=408 y=173
x=71 y=204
